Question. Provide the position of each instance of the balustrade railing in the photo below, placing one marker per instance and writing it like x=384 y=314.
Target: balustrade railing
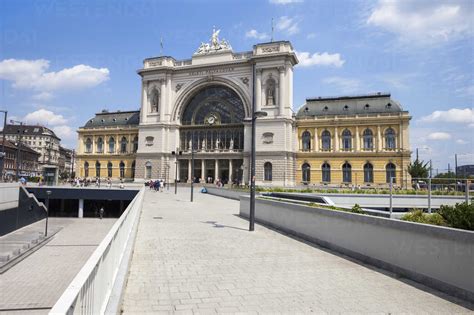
x=90 y=290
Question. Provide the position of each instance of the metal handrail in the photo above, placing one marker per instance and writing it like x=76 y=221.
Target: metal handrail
x=90 y=290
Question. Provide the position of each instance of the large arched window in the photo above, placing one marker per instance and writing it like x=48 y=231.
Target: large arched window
x=326 y=140
x=100 y=145
x=390 y=172
x=326 y=172
x=346 y=140
x=109 y=169
x=267 y=171
x=368 y=173
x=148 y=170
x=97 y=169
x=306 y=141
x=122 y=169
x=111 y=145
x=135 y=144
x=390 y=139
x=86 y=169
x=123 y=145
x=368 y=137
x=154 y=100
x=133 y=169
x=306 y=173
x=88 y=145
x=346 y=173
x=270 y=91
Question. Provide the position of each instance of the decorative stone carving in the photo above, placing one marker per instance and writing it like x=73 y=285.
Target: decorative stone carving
x=267 y=137
x=270 y=49
x=215 y=45
x=154 y=63
x=245 y=81
x=178 y=86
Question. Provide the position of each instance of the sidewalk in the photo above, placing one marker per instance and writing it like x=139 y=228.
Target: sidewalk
x=199 y=258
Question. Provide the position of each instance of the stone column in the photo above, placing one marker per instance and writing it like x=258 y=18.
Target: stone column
x=168 y=103
x=399 y=145
x=336 y=140
x=258 y=89
x=162 y=99
x=203 y=170
x=379 y=139
x=80 y=211
x=281 y=97
x=230 y=171
x=316 y=140
x=144 y=101
x=189 y=171
x=357 y=139
x=216 y=168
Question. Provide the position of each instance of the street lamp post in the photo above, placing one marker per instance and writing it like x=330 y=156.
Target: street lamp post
x=192 y=168
x=176 y=153
x=48 y=193
x=255 y=115
x=4 y=154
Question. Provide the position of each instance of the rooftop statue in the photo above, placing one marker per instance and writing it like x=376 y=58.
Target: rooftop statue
x=215 y=44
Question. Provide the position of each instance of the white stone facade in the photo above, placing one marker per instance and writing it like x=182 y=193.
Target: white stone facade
x=169 y=86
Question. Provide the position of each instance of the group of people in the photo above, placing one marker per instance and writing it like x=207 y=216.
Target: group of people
x=84 y=182
x=157 y=185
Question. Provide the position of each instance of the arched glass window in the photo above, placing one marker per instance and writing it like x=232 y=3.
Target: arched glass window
x=154 y=100
x=306 y=139
x=109 y=169
x=346 y=173
x=133 y=169
x=390 y=172
x=326 y=171
x=390 y=139
x=267 y=171
x=111 y=145
x=368 y=139
x=123 y=145
x=97 y=169
x=88 y=145
x=326 y=140
x=100 y=145
x=270 y=92
x=368 y=173
x=148 y=170
x=135 y=144
x=86 y=169
x=122 y=169
x=346 y=140
x=306 y=169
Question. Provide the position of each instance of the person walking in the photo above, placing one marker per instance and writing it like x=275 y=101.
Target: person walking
x=101 y=212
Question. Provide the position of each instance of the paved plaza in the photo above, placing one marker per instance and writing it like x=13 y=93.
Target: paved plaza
x=36 y=283
x=199 y=258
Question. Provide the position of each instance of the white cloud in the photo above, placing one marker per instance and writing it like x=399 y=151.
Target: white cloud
x=31 y=74
x=344 y=84
x=284 y=2
x=43 y=96
x=461 y=141
x=255 y=34
x=64 y=132
x=288 y=25
x=319 y=59
x=453 y=115
x=439 y=136
x=425 y=21
x=311 y=36
x=45 y=117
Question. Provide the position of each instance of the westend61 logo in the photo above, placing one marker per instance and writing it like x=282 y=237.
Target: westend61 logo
x=211 y=71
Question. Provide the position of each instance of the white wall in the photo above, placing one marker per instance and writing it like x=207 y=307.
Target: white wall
x=9 y=194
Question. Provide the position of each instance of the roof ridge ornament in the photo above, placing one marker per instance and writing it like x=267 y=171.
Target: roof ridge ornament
x=214 y=45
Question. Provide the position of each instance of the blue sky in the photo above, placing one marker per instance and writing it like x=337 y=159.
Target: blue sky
x=62 y=61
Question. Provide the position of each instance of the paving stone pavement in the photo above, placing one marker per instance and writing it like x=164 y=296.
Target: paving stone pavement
x=199 y=258
x=36 y=283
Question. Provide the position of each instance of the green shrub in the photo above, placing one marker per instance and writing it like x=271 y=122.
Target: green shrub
x=418 y=216
x=357 y=209
x=460 y=216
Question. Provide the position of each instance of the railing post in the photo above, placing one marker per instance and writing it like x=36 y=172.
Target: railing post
x=391 y=196
x=429 y=195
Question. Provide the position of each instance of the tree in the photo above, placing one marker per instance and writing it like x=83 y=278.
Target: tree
x=418 y=169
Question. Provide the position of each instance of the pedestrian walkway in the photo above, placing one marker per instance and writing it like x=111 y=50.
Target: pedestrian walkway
x=36 y=283
x=200 y=258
